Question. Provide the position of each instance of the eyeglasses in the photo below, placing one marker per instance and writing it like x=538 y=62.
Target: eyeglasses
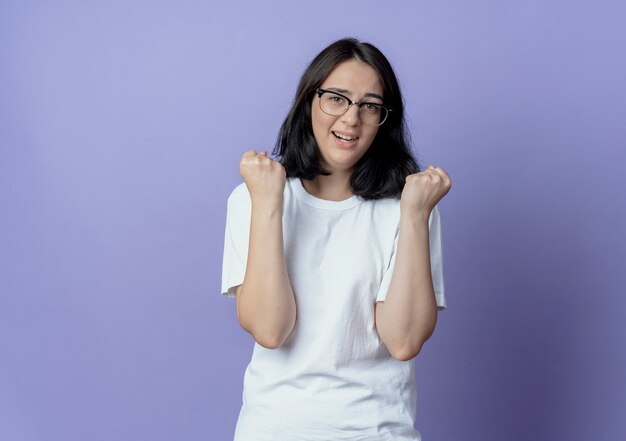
x=335 y=104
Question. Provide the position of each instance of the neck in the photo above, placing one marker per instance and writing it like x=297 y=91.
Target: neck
x=335 y=187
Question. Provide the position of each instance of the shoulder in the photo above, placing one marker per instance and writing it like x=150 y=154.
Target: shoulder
x=387 y=210
x=382 y=214
x=239 y=193
x=239 y=203
x=384 y=206
x=387 y=203
x=240 y=196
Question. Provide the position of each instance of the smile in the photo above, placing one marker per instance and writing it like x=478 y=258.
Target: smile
x=345 y=138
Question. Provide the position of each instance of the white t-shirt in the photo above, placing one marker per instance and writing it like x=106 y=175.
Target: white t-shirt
x=333 y=378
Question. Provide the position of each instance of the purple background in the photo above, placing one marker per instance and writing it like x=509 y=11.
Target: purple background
x=121 y=128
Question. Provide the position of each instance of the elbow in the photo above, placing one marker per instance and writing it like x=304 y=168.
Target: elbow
x=268 y=330
x=271 y=335
x=406 y=353
x=270 y=340
x=409 y=348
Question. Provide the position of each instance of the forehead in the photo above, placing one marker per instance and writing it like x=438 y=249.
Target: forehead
x=354 y=76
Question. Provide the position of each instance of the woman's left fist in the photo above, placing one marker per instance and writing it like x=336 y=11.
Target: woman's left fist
x=423 y=190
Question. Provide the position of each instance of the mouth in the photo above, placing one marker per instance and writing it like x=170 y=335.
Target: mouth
x=344 y=138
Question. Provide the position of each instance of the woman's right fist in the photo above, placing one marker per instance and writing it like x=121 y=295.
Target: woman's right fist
x=264 y=177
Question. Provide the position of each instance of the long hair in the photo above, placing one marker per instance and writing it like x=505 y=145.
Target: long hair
x=382 y=170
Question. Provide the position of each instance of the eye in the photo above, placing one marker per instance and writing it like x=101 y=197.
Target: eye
x=335 y=100
x=372 y=107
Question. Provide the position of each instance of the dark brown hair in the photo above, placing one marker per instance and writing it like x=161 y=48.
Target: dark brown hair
x=382 y=170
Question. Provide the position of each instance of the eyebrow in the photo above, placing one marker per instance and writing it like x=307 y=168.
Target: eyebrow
x=347 y=92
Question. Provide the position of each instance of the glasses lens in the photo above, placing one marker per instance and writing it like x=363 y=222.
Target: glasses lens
x=333 y=104
x=372 y=114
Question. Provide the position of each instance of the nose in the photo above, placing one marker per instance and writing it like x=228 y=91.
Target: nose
x=352 y=116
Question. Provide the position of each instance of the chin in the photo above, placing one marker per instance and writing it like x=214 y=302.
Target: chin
x=341 y=160
x=340 y=166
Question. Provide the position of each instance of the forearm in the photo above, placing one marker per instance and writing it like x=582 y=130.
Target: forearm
x=266 y=305
x=409 y=314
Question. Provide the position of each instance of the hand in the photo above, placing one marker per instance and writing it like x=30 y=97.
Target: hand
x=423 y=190
x=264 y=177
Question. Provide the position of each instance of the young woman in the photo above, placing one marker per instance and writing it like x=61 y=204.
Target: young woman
x=333 y=253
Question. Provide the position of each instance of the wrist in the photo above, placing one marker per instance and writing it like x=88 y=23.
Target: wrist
x=414 y=217
x=267 y=206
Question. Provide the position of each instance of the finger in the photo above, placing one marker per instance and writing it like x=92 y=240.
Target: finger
x=249 y=153
x=264 y=153
x=438 y=170
x=443 y=173
x=444 y=176
x=433 y=175
x=431 y=169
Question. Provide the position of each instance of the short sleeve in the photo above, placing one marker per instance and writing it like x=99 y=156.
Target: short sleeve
x=236 y=239
x=436 y=262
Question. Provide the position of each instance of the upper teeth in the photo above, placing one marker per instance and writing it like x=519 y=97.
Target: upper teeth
x=344 y=137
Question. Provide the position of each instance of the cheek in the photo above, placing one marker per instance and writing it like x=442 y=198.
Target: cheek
x=321 y=122
x=371 y=134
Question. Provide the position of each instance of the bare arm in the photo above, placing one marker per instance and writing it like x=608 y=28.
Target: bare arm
x=266 y=306
x=407 y=317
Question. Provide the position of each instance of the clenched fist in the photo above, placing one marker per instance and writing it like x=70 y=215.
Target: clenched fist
x=423 y=190
x=264 y=177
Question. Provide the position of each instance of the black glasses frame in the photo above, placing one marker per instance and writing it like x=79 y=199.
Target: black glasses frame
x=320 y=92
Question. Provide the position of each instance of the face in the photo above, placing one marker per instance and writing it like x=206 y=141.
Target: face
x=344 y=139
